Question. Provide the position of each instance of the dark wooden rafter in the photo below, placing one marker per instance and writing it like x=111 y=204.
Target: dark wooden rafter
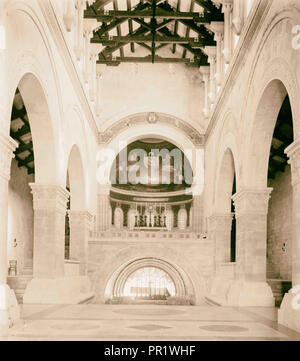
x=176 y=26
x=187 y=32
x=17 y=135
x=130 y=26
x=282 y=137
x=154 y=17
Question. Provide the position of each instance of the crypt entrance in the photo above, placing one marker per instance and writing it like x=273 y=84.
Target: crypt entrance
x=149 y=281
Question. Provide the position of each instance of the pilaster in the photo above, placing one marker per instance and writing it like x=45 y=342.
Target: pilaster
x=80 y=225
x=49 y=204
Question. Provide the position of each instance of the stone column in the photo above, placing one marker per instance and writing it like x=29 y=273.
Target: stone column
x=211 y=51
x=289 y=313
x=218 y=28
x=80 y=225
x=50 y=284
x=205 y=71
x=9 y=310
x=69 y=14
x=227 y=9
x=251 y=209
x=104 y=209
x=50 y=205
x=99 y=72
x=88 y=26
x=220 y=233
x=95 y=50
x=238 y=15
x=80 y=7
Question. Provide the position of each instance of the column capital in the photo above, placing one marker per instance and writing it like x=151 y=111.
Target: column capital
x=80 y=4
x=89 y=25
x=49 y=197
x=95 y=49
x=204 y=70
x=227 y=5
x=217 y=27
x=7 y=148
x=80 y=217
x=211 y=52
x=252 y=201
x=220 y=222
x=293 y=152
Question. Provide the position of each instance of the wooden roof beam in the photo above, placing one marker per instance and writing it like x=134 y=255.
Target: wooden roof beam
x=146 y=59
x=146 y=14
x=147 y=39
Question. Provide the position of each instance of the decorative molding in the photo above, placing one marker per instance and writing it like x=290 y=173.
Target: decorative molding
x=7 y=147
x=252 y=202
x=144 y=119
x=80 y=218
x=49 y=197
x=69 y=61
x=251 y=28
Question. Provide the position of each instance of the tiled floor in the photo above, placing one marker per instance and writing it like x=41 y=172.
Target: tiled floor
x=150 y=322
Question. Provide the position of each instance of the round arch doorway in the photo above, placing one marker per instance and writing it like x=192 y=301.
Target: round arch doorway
x=149 y=281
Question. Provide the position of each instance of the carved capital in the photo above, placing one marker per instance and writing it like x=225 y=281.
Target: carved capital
x=252 y=201
x=80 y=218
x=89 y=25
x=7 y=147
x=211 y=52
x=227 y=5
x=49 y=197
x=293 y=152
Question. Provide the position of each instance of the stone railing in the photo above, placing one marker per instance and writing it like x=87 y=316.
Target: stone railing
x=126 y=235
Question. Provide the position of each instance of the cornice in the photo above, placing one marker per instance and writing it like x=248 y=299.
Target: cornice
x=62 y=46
x=251 y=28
x=151 y=118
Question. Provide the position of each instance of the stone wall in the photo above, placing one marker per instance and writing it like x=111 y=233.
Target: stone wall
x=20 y=216
x=194 y=257
x=279 y=256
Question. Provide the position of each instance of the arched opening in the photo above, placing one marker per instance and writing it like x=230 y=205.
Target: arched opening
x=149 y=284
x=35 y=161
x=150 y=181
x=20 y=201
x=279 y=226
x=75 y=185
x=272 y=133
x=233 y=225
x=224 y=207
x=149 y=280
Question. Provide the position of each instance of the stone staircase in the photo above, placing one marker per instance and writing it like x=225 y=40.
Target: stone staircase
x=18 y=283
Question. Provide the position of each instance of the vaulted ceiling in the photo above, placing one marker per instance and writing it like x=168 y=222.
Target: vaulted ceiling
x=128 y=26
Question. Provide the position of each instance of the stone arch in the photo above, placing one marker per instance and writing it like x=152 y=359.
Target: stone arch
x=44 y=144
x=117 y=281
x=194 y=155
x=224 y=182
x=264 y=70
x=76 y=179
x=261 y=133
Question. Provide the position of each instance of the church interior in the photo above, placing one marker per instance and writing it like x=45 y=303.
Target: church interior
x=150 y=169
